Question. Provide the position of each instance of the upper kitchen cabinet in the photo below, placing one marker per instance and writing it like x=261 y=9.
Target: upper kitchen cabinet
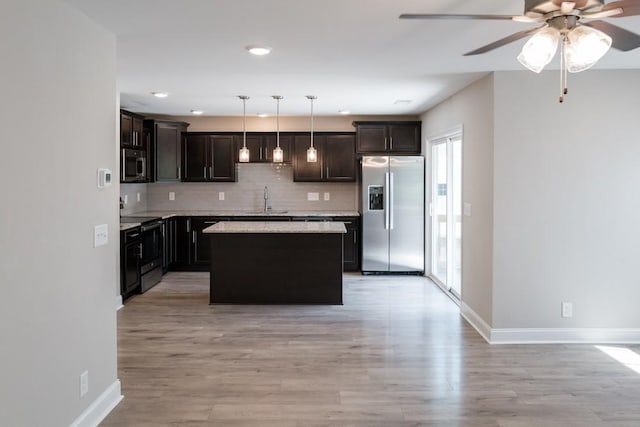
x=388 y=137
x=261 y=146
x=336 y=158
x=131 y=128
x=209 y=157
x=165 y=140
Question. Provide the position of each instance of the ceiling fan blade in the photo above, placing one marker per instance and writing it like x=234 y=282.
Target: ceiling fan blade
x=499 y=43
x=602 y=14
x=623 y=40
x=446 y=16
x=629 y=8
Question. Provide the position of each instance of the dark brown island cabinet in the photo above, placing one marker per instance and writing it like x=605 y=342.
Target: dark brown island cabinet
x=336 y=158
x=165 y=140
x=388 y=137
x=209 y=158
x=262 y=144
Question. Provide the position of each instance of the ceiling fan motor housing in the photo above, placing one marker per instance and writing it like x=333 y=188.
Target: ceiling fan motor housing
x=534 y=8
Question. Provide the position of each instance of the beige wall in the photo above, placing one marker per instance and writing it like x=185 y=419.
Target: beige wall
x=57 y=308
x=471 y=108
x=567 y=197
x=290 y=124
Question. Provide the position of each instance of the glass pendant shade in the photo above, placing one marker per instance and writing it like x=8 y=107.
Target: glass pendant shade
x=584 y=47
x=312 y=155
x=244 y=155
x=278 y=155
x=540 y=49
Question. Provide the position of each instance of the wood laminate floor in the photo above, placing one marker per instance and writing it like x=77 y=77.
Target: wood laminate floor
x=397 y=353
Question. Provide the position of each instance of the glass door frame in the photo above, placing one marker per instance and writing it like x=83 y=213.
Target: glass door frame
x=447 y=138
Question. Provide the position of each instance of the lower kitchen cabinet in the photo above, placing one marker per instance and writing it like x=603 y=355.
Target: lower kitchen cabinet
x=130 y=252
x=351 y=244
x=177 y=240
x=200 y=248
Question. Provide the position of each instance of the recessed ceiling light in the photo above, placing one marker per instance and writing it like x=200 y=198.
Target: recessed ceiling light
x=263 y=115
x=197 y=112
x=403 y=101
x=344 y=112
x=160 y=94
x=259 y=50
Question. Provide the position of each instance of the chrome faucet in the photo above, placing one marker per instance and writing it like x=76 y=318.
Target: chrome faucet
x=266 y=198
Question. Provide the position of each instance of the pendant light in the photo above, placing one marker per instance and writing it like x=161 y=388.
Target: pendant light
x=278 y=154
x=244 y=151
x=312 y=153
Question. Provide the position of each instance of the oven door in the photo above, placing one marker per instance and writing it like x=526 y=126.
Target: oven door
x=152 y=243
x=134 y=165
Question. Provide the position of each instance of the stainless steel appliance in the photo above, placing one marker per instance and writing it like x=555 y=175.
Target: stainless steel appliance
x=393 y=214
x=134 y=165
x=151 y=250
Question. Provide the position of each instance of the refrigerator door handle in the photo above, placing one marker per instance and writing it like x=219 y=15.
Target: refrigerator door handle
x=387 y=217
x=391 y=206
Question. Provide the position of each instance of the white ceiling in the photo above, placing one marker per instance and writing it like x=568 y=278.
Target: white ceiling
x=352 y=54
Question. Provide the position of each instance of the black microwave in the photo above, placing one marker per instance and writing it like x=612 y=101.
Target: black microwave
x=134 y=165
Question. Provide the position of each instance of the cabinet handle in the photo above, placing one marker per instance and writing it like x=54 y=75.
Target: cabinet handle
x=210 y=172
x=211 y=222
x=327 y=175
x=179 y=173
x=355 y=237
x=140 y=250
x=205 y=172
x=385 y=142
x=188 y=226
x=193 y=236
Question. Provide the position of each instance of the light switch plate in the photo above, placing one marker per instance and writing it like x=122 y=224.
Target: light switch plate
x=313 y=196
x=172 y=195
x=126 y=199
x=467 y=209
x=221 y=195
x=100 y=235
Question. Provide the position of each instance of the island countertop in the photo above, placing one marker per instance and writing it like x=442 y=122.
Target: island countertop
x=275 y=227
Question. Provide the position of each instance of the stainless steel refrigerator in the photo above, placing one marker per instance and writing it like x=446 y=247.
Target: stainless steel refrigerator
x=393 y=214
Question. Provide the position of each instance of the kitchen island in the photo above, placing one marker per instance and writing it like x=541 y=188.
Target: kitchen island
x=264 y=262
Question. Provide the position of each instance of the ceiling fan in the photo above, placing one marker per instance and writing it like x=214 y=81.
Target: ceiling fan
x=576 y=26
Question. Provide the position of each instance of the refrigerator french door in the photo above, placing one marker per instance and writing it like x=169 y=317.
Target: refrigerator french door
x=393 y=214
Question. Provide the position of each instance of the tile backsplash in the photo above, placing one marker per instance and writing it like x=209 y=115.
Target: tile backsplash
x=247 y=193
x=131 y=191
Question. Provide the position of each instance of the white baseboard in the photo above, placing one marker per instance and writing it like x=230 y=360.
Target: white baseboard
x=100 y=408
x=476 y=321
x=119 y=302
x=549 y=335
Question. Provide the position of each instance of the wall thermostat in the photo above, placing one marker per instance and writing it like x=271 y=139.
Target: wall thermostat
x=104 y=178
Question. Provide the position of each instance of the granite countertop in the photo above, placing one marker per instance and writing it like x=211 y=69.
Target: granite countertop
x=275 y=227
x=128 y=226
x=169 y=214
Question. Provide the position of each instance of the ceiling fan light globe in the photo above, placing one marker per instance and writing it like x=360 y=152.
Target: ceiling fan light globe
x=539 y=50
x=584 y=47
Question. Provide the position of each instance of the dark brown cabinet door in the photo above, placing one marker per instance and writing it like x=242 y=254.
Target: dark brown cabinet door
x=222 y=154
x=136 y=133
x=372 y=138
x=351 y=244
x=126 y=128
x=339 y=158
x=181 y=242
x=404 y=138
x=195 y=159
x=168 y=153
x=388 y=137
x=303 y=170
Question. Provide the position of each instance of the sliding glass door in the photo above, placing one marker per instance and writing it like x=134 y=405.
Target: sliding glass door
x=446 y=213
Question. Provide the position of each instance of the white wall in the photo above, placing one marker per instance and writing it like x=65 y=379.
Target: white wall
x=473 y=109
x=57 y=311
x=567 y=197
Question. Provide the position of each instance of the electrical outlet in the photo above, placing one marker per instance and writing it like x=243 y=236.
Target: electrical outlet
x=313 y=196
x=84 y=383
x=567 y=309
x=138 y=197
x=221 y=195
x=327 y=196
x=100 y=235
x=172 y=195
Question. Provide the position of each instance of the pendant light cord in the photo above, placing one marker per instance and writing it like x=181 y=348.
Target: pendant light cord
x=244 y=122
x=311 y=122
